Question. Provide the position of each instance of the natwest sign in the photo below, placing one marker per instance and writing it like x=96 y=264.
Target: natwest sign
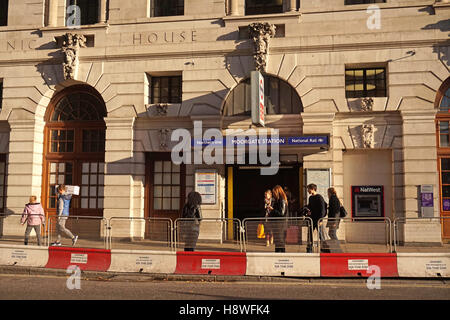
x=257 y=101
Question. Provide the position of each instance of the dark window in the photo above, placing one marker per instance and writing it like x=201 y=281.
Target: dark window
x=89 y=10
x=2 y=182
x=280 y=98
x=162 y=8
x=78 y=107
x=3 y=12
x=444 y=106
x=263 y=6
x=1 y=93
x=61 y=140
x=444 y=140
x=348 y=2
x=93 y=140
x=165 y=89
x=360 y=83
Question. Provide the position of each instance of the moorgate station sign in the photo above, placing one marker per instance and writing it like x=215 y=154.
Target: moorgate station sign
x=254 y=141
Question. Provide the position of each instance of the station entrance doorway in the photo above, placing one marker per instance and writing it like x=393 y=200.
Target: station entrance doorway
x=248 y=187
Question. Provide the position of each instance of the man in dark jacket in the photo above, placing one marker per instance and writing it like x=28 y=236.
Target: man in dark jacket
x=318 y=207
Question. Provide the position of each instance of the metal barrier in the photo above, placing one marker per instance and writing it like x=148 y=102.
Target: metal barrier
x=208 y=234
x=140 y=233
x=92 y=232
x=412 y=234
x=280 y=234
x=13 y=232
x=355 y=235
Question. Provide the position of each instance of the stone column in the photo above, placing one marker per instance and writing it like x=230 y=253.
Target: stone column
x=234 y=7
x=102 y=13
x=53 y=13
x=292 y=5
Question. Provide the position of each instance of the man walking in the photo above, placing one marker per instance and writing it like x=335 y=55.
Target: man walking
x=63 y=214
x=317 y=207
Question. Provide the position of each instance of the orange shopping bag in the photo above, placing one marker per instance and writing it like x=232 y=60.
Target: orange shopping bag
x=260 y=231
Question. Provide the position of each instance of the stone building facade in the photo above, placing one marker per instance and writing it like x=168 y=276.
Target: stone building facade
x=95 y=105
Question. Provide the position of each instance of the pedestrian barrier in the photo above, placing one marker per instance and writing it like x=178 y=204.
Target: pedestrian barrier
x=272 y=234
x=13 y=232
x=21 y=255
x=143 y=261
x=85 y=259
x=208 y=234
x=287 y=264
x=140 y=233
x=358 y=265
x=353 y=235
x=423 y=265
x=212 y=263
x=420 y=234
x=92 y=232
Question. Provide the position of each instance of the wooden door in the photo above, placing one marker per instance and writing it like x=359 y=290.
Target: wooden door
x=165 y=190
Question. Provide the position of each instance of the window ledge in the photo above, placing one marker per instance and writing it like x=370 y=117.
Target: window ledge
x=81 y=28
x=359 y=7
x=252 y=18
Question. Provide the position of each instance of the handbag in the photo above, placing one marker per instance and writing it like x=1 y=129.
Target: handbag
x=342 y=212
x=260 y=231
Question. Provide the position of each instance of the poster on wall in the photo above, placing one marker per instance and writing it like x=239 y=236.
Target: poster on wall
x=321 y=178
x=206 y=185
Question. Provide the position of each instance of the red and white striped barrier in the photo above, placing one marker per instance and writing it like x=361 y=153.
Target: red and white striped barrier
x=143 y=261
x=423 y=265
x=432 y=265
x=287 y=264
x=358 y=264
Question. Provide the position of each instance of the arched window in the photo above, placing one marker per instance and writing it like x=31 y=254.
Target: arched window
x=280 y=98
x=444 y=105
x=75 y=149
x=78 y=106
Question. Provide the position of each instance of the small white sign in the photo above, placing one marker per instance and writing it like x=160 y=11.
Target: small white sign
x=436 y=265
x=358 y=264
x=206 y=185
x=18 y=254
x=70 y=190
x=284 y=264
x=144 y=261
x=78 y=258
x=210 y=263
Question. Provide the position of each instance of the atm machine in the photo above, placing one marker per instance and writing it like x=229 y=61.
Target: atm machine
x=367 y=201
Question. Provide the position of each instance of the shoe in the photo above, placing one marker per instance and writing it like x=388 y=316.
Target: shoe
x=74 y=240
x=56 y=244
x=267 y=243
x=25 y=243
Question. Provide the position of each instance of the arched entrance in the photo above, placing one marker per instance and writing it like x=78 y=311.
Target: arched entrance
x=443 y=150
x=74 y=149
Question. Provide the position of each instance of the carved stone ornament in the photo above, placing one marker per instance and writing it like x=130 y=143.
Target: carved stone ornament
x=261 y=33
x=163 y=138
x=161 y=109
x=367 y=104
x=368 y=135
x=71 y=48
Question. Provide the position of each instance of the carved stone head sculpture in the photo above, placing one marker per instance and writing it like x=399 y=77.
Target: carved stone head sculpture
x=71 y=47
x=261 y=33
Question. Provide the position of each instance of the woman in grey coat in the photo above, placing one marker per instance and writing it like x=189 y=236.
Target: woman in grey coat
x=193 y=215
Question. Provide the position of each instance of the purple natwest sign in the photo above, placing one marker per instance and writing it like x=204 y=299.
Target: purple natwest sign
x=427 y=200
x=446 y=204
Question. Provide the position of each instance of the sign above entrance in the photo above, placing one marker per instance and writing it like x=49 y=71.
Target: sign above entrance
x=257 y=100
x=281 y=141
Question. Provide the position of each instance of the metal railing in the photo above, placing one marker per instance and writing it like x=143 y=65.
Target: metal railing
x=208 y=234
x=355 y=234
x=13 y=232
x=92 y=232
x=411 y=233
x=140 y=233
x=280 y=234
